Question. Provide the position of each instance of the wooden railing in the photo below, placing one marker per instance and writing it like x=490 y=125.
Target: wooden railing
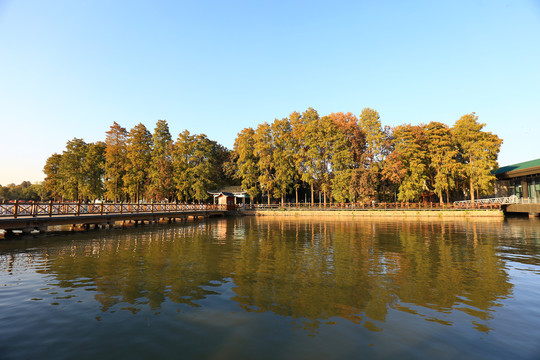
x=373 y=206
x=18 y=209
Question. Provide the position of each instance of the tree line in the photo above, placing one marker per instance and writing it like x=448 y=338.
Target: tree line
x=340 y=157
x=137 y=165
x=355 y=159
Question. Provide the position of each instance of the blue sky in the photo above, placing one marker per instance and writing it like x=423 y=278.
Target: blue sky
x=70 y=68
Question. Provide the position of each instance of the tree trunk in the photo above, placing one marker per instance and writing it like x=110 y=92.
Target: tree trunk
x=447 y=196
x=440 y=198
x=312 y=195
x=268 y=197
x=472 y=192
x=296 y=190
x=324 y=198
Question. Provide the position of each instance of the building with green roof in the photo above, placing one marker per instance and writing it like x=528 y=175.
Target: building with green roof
x=521 y=179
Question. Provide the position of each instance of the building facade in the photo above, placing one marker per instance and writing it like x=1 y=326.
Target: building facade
x=521 y=180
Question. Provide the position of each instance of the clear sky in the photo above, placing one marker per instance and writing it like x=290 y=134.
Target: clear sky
x=70 y=68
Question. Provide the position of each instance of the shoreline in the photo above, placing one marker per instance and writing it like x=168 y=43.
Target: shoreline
x=402 y=213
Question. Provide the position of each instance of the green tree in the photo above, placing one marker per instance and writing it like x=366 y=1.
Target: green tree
x=72 y=169
x=183 y=150
x=94 y=170
x=115 y=162
x=53 y=181
x=478 y=151
x=138 y=154
x=161 y=169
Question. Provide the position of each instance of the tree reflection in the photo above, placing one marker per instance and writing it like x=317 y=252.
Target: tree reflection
x=307 y=269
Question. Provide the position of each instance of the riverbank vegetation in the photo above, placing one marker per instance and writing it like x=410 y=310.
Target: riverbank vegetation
x=338 y=158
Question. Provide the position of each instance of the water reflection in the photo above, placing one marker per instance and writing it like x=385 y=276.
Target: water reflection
x=311 y=270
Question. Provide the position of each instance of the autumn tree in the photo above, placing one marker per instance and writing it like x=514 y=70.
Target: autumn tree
x=478 y=151
x=442 y=158
x=196 y=167
x=411 y=151
x=246 y=162
x=305 y=135
x=283 y=157
x=115 y=161
x=264 y=148
x=348 y=159
x=138 y=155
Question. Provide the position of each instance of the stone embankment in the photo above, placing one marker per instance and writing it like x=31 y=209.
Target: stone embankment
x=416 y=213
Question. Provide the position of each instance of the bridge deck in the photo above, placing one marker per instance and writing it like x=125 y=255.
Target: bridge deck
x=27 y=217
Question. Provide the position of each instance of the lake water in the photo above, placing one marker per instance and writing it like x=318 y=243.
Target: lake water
x=280 y=288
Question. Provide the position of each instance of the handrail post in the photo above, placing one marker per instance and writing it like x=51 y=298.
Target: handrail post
x=50 y=208
x=78 y=207
x=101 y=208
x=16 y=209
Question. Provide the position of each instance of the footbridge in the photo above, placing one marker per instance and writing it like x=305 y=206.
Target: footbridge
x=30 y=217
x=509 y=204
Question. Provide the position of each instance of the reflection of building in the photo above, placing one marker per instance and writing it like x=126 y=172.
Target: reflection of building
x=522 y=180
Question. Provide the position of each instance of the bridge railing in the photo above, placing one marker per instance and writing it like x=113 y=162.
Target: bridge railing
x=500 y=200
x=78 y=208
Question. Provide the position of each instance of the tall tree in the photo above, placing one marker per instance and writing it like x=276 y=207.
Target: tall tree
x=479 y=151
x=115 y=161
x=411 y=150
x=264 y=150
x=348 y=160
x=71 y=169
x=442 y=158
x=376 y=152
x=161 y=169
x=182 y=163
x=283 y=157
x=196 y=167
x=53 y=181
x=246 y=160
x=305 y=134
x=94 y=169
x=138 y=154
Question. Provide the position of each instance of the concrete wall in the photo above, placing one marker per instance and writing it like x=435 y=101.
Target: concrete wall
x=381 y=213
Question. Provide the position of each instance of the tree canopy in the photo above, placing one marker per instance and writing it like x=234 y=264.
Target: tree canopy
x=338 y=157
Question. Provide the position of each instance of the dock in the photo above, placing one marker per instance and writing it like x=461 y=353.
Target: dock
x=31 y=217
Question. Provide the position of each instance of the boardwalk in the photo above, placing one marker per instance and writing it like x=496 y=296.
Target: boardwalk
x=27 y=217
